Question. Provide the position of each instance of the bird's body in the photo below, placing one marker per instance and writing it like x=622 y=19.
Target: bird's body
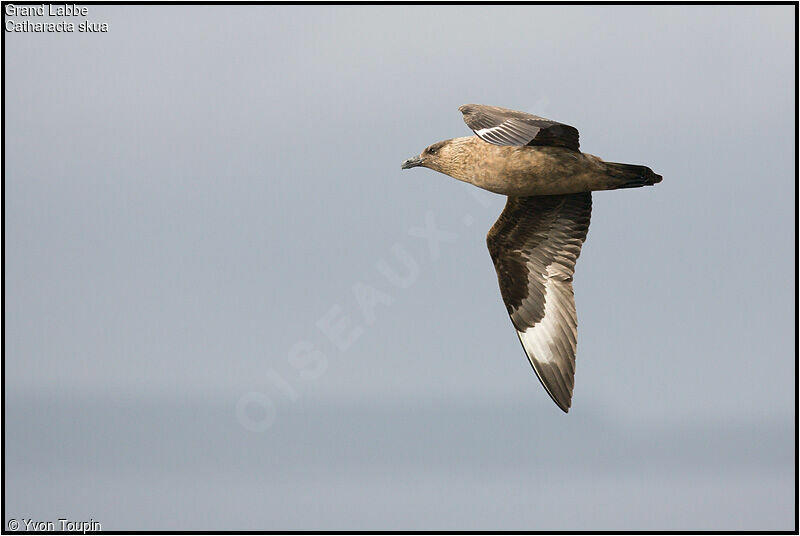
x=537 y=239
x=523 y=170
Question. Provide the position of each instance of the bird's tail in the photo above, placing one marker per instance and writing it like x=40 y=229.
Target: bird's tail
x=631 y=175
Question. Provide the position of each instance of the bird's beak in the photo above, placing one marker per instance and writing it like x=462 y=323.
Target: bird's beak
x=411 y=162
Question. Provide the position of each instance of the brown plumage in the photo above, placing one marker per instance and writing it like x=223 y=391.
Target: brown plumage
x=537 y=239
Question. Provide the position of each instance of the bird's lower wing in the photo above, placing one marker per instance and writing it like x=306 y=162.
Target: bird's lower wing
x=534 y=245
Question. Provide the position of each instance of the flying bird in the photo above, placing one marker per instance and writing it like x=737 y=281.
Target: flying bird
x=537 y=239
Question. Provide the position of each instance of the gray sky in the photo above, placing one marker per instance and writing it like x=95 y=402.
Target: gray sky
x=193 y=196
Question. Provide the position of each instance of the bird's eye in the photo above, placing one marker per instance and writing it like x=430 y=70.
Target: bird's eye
x=432 y=149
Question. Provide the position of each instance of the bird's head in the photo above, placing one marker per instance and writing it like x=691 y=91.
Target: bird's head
x=434 y=157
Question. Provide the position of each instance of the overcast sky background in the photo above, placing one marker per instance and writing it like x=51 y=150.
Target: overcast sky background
x=191 y=195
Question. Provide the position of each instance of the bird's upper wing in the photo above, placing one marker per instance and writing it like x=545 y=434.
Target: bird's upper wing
x=534 y=245
x=501 y=126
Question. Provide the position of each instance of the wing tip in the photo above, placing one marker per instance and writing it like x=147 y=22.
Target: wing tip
x=564 y=404
x=562 y=407
x=563 y=398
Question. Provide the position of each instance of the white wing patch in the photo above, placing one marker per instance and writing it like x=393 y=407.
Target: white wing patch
x=510 y=132
x=551 y=344
x=486 y=131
